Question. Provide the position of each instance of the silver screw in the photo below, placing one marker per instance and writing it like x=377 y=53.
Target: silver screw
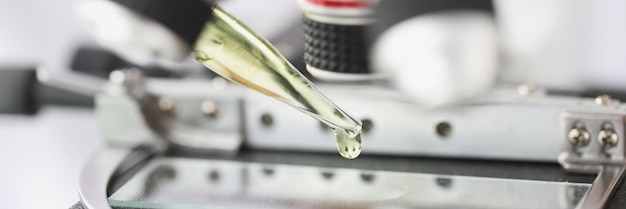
x=166 y=105
x=209 y=109
x=126 y=76
x=608 y=138
x=604 y=100
x=219 y=83
x=117 y=77
x=130 y=80
x=526 y=89
x=579 y=137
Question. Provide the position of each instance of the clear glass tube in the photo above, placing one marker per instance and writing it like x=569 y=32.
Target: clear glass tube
x=232 y=50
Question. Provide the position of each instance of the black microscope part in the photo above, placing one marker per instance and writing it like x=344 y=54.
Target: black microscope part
x=185 y=18
x=17 y=87
x=335 y=48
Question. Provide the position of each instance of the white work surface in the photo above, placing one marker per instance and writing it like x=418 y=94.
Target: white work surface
x=41 y=156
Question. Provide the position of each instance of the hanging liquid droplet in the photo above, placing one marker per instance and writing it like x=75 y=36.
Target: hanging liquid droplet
x=235 y=52
x=349 y=145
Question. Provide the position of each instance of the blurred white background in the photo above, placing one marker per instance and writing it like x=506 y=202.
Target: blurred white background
x=564 y=44
x=41 y=155
x=37 y=31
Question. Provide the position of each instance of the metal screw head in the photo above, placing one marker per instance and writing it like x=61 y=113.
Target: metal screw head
x=214 y=176
x=579 y=137
x=367 y=177
x=328 y=174
x=130 y=81
x=126 y=76
x=268 y=171
x=443 y=129
x=267 y=119
x=166 y=105
x=219 y=83
x=608 y=138
x=209 y=109
x=604 y=100
x=526 y=89
x=444 y=182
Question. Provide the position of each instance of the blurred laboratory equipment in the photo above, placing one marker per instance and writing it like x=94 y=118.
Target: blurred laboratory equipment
x=459 y=102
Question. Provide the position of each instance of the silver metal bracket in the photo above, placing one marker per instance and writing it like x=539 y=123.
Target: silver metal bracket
x=597 y=146
x=588 y=137
x=100 y=170
x=132 y=110
x=610 y=175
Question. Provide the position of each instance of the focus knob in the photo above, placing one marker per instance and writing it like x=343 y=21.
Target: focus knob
x=334 y=48
x=334 y=38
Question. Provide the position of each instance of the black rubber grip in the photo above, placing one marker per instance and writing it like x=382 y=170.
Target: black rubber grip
x=335 y=48
x=184 y=17
x=17 y=87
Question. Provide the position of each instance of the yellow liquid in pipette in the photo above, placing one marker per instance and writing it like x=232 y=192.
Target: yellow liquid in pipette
x=233 y=51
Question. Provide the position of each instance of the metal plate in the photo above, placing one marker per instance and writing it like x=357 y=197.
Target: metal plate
x=503 y=126
x=193 y=183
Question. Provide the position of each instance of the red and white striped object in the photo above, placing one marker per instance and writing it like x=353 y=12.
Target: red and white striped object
x=339 y=12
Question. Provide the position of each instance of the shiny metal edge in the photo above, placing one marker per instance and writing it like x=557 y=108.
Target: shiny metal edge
x=99 y=170
x=602 y=187
x=74 y=82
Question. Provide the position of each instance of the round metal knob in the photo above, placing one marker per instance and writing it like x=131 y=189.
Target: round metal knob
x=608 y=139
x=579 y=137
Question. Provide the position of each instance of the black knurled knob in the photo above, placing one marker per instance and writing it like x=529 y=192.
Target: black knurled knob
x=335 y=48
x=184 y=17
